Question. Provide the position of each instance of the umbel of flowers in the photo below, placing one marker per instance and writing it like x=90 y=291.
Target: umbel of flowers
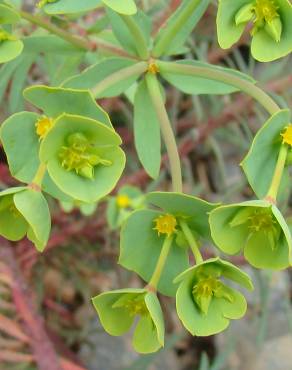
x=162 y=234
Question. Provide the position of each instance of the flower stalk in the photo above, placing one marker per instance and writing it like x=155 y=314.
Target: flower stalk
x=249 y=88
x=192 y=241
x=153 y=283
x=277 y=177
x=36 y=183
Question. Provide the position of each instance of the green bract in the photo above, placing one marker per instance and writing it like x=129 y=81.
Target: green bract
x=142 y=241
x=10 y=46
x=255 y=226
x=204 y=303
x=21 y=134
x=118 y=309
x=123 y=204
x=69 y=7
x=272 y=26
x=260 y=163
x=24 y=211
x=83 y=157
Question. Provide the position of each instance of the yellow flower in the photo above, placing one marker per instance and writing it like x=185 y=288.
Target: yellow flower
x=287 y=135
x=123 y=201
x=153 y=68
x=43 y=126
x=165 y=224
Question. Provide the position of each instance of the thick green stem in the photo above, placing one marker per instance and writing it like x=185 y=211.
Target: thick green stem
x=36 y=183
x=140 y=42
x=119 y=76
x=160 y=263
x=171 y=32
x=277 y=177
x=249 y=88
x=167 y=132
x=43 y=23
x=192 y=241
x=74 y=40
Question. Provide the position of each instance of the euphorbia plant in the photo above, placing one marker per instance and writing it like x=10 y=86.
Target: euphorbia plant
x=71 y=151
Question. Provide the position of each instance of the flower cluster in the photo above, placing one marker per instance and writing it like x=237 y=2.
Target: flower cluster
x=271 y=26
x=70 y=151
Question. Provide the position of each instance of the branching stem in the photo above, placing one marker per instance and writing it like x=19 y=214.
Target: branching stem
x=192 y=241
x=278 y=173
x=166 y=130
x=116 y=77
x=248 y=87
x=160 y=263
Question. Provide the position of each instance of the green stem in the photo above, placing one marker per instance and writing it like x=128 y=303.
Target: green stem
x=140 y=42
x=74 y=40
x=192 y=241
x=276 y=180
x=43 y=23
x=36 y=183
x=119 y=76
x=160 y=263
x=167 y=132
x=170 y=33
x=205 y=72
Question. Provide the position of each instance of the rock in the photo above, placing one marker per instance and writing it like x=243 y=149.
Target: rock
x=276 y=354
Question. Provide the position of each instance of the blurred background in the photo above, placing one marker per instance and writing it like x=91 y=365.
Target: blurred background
x=45 y=307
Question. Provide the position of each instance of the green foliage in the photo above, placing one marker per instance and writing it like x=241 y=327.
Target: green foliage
x=67 y=147
x=25 y=211
x=198 y=85
x=91 y=76
x=10 y=46
x=69 y=7
x=190 y=12
x=147 y=131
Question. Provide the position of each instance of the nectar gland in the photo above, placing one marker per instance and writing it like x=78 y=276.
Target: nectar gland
x=153 y=68
x=287 y=135
x=123 y=201
x=165 y=224
x=43 y=126
x=79 y=155
x=205 y=289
